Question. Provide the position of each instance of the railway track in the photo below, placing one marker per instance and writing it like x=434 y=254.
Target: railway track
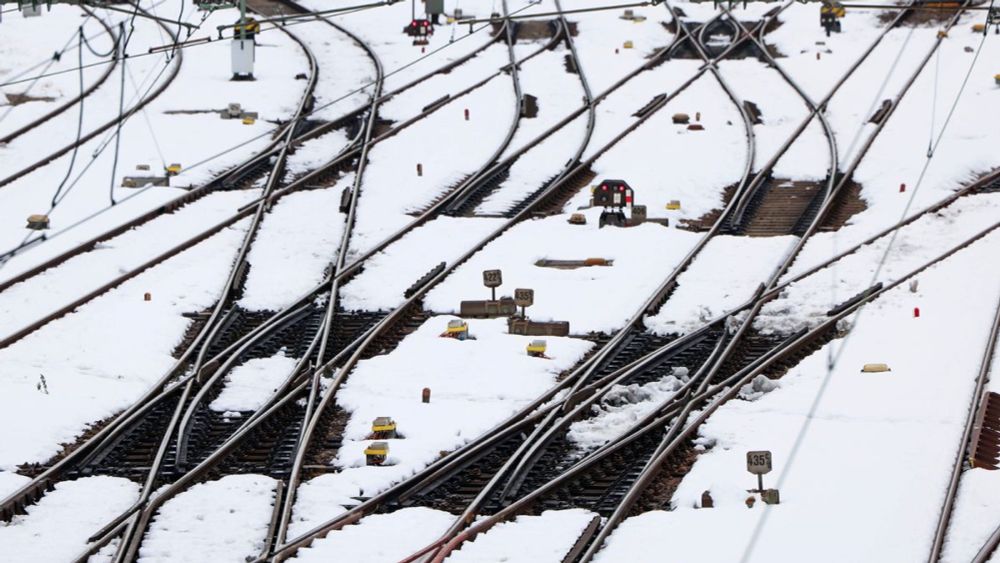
x=542 y=201
x=274 y=324
x=965 y=455
x=353 y=515
x=604 y=500
x=116 y=525
x=670 y=446
x=287 y=399
x=681 y=430
x=256 y=449
x=149 y=96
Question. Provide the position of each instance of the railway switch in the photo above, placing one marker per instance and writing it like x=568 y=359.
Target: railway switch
x=681 y=118
x=577 y=219
x=376 y=453
x=384 y=428
x=770 y=496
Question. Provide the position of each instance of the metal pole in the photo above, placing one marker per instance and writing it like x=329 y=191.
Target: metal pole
x=760 y=483
x=493 y=290
x=243 y=20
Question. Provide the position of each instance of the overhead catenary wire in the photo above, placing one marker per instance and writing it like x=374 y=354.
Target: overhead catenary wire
x=834 y=359
x=7 y=255
x=206 y=40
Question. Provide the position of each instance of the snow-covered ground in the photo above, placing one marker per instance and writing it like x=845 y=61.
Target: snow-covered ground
x=876 y=443
x=550 y=535
x=475 y=384
x=248 y=386
x=159 y=135
x=592 y=299
x=57 y=528
x=99 y=359
x=224 y=520
x=866 y=481
x=409 y=528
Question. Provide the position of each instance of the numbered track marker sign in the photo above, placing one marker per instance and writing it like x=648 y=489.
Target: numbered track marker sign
x=759 y=462
x=524 y=297
x=492 y=278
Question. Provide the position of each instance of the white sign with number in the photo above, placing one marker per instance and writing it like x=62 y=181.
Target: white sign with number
x=492 y=278
x=524 y=297
x=759 y=462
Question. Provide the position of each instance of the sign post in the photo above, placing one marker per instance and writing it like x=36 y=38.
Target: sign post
x=759 y=463
x=524 y=298
x=493 y=279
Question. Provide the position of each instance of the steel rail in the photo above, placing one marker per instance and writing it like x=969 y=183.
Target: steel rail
x=667 y=448
x=227 y=443
x=816 y=110
x=87 y=137
x=982 y=377
x=352 y=150
x=226 y=177
x=207 y=333
x=299 y=542
x=541 y=437
x=6 y=139
x=727 y=390
x=728 y=351
x=283 y=509
x=156 y=393
x=132 y=536
x=528 y=416
x=985 y=553
x=311 y=422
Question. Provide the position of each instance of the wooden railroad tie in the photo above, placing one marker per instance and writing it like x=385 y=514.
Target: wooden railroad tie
x=985 y=446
